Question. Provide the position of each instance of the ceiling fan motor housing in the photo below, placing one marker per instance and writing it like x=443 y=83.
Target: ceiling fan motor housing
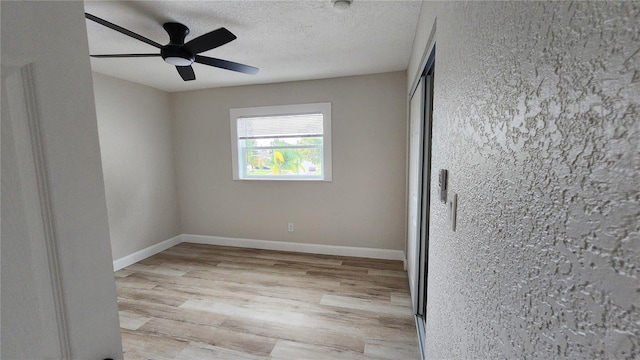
x=174 y=53
x=177 y=32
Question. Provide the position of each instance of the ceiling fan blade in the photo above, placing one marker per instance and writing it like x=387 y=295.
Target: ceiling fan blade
x=124 y=55
x=121 y=30
x=225 y=64
x=210 y=40
x=186 y=72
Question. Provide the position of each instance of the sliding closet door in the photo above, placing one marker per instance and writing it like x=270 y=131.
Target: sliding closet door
x=419 y=189
x=415 y=195
x=423 y=255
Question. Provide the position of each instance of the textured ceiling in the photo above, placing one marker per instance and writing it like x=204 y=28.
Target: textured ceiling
x=287 y=40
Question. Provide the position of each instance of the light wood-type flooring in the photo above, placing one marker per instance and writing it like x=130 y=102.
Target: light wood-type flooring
x=210 y=302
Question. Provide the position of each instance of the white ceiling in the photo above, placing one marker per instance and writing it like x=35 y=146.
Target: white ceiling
x=288 y=40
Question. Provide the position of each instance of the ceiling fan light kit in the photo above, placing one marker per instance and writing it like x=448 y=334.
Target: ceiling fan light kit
x=176 y=55
x=179 y=53
x=178 y=61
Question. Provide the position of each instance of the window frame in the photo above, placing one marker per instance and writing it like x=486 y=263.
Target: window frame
x=283 y=110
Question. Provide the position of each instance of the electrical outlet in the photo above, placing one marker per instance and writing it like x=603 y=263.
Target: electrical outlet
x=290 y=227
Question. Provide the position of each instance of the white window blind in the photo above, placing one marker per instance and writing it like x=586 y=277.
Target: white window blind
x=303 y=125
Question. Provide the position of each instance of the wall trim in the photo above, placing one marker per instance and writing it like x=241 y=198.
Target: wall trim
x=297 y=247
x=425 y=58
x=145 y=253
x=372 y=253
x=34 y=119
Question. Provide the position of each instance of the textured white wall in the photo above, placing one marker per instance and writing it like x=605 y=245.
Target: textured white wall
x=537 y=118
x=364 y=204
x=134 y=125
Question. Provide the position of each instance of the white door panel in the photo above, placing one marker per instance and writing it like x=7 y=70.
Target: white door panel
x=58 y=291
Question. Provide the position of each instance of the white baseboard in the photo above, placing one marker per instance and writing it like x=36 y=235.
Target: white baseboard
x=297 y=247
x=259 y=244
x=145 y=253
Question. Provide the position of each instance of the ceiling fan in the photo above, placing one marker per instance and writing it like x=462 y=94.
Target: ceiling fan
x=177 y=53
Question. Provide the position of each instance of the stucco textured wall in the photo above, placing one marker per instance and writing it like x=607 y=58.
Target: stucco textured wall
x=537 y=118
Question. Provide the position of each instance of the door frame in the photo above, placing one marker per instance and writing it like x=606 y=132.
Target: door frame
x=425 y=83
x=425 y=183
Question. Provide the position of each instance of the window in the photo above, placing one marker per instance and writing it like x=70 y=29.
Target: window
x=287 y=142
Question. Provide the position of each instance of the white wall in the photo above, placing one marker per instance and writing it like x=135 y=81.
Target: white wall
x=57 y=276
x=364 y=204
x=536 y=117
x=134 y=125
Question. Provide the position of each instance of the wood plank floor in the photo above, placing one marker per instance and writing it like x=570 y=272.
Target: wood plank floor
x=211 y=302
